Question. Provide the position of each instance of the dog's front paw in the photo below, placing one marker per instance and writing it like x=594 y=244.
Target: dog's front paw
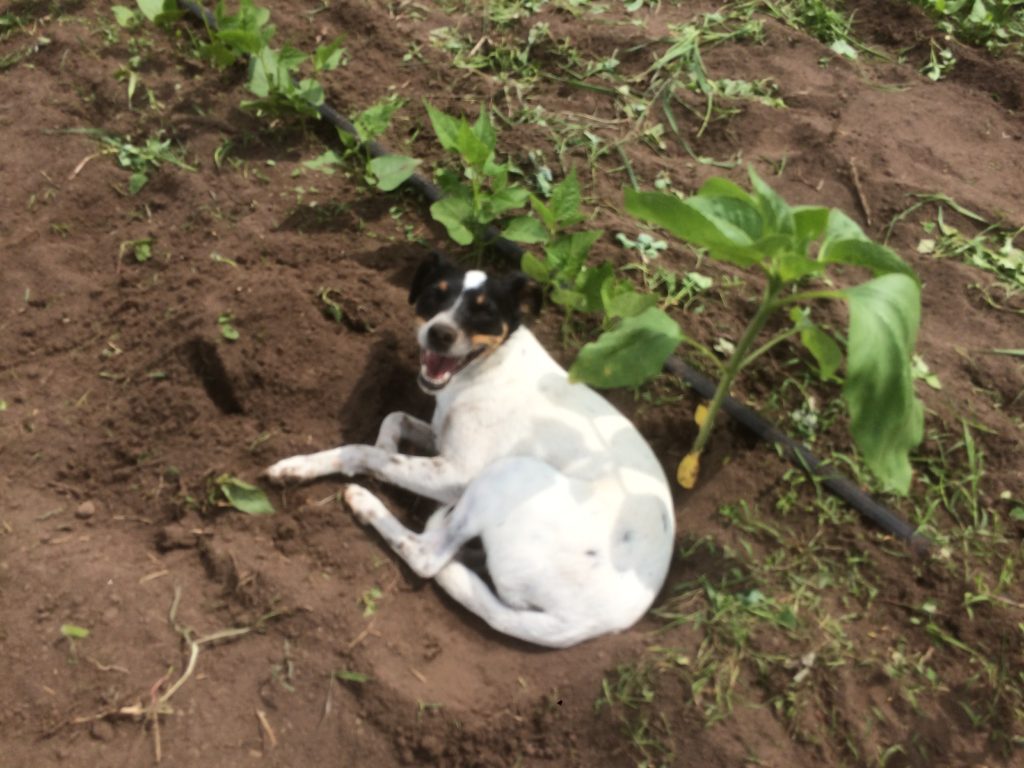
x=294 y=469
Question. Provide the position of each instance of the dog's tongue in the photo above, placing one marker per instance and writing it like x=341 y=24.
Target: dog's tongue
x=438 y=365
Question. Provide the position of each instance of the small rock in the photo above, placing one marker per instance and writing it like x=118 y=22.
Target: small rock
x=85 y=510
x=102 y=730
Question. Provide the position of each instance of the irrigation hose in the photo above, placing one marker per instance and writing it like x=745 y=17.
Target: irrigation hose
x=796 y=452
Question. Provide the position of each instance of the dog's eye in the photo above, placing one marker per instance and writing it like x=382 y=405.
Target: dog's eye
x=441 y=288
x=480 y=304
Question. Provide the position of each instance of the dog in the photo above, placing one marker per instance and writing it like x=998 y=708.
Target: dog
x=568 y=501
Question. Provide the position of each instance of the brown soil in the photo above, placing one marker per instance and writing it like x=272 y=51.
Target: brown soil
x=124 y=401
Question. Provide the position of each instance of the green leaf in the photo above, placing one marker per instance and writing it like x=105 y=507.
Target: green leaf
x=159 y=11
x=453 y=212
x=525 y=229
x=74 y=632
x=726 y=226
x=227 y=330
x=775 y=212
x=630 y=353
x=717 y=186
x=809 y=221
x=445 y=127
x=136 y=182
x=348 y=676
x=886 y=418
x=328 y=57
x=621 y=299
x=825 y=350
x=566 y=200
x=124 y=16
x=507 y=200
x=547 y=216
x=391 y=171
x=325 y=162
x=375 y=119
x=534 y=268
x=865 y=253
x=243 y=496
x=568 y=253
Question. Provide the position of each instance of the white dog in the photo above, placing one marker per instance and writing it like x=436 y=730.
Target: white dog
x=567 y=499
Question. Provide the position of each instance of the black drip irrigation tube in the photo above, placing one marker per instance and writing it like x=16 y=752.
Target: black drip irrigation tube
x=747 y=417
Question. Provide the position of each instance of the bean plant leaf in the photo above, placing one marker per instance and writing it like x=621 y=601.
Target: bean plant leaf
x=886 y=418
x=445 y=127
x=243 y=496
x=453 y=211
x=629 y=354
x=566 y=200
x=391 y=171
x=534 y=268
x=525 y=229
x=621 y=299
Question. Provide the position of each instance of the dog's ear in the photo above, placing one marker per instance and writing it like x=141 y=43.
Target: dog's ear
x=521 y=295
x=427 y=272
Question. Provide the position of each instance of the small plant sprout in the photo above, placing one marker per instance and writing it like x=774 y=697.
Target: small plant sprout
x=760 y=231
x=226 y=324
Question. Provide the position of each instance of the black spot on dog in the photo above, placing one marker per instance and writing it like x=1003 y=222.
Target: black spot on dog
x=591 y=553
x=626 y=537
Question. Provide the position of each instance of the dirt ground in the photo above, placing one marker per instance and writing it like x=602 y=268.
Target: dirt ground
x=121 y=400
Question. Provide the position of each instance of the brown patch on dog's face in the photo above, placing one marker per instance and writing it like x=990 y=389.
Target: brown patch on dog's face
x=490 y=341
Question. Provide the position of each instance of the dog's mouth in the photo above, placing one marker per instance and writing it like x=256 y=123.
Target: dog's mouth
x=436 y=370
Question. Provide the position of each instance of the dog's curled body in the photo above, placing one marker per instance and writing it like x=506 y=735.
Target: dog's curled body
x=571 y=505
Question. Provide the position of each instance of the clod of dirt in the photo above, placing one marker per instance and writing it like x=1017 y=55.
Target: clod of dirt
x=175 y=536
x=85 y=510
x=102 y=731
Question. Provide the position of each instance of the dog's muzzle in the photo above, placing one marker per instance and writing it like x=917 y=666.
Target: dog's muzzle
x=436 y=370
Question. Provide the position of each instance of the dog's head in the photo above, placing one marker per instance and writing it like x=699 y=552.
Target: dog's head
x=464 y=316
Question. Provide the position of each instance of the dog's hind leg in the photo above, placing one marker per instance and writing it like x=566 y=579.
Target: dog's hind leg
x=533 y=626
x=425 y=553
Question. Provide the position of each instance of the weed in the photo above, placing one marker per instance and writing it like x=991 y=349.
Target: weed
x=994 y=24
x=141 y=159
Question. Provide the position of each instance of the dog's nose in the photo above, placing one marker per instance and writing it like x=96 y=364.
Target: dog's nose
x=441 y=337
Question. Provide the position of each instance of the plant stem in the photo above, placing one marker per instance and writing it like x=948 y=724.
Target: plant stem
x=736 y=363
x=774 y=340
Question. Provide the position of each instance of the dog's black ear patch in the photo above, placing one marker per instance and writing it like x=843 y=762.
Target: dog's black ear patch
x=517 y=294
x=429 y=270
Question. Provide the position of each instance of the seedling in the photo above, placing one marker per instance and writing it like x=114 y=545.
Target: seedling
x=760 y=231
x=142 y=159
x=227 y=329
x=468 y=209
x=369 y=600
x=387 y=172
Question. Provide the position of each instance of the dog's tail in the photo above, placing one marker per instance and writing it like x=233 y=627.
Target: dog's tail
x=533 y=626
